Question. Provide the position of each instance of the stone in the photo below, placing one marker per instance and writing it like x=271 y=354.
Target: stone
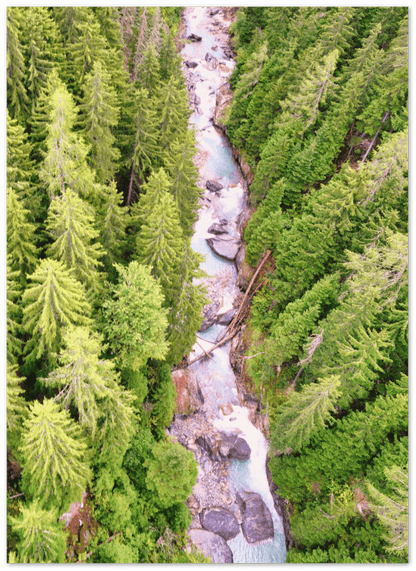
x=220 y=521
x=194 y=38
x=211 y=61
x=240 y=450
x=213 y=186
x=226 y=443
x=227 y=317
x=257 y=520
x=191 y=64
x=208 y=444
x=214 y=11
x=211 y=545
x=217 y=229
x=188 y=392
x=240 y=257
x=227 y=249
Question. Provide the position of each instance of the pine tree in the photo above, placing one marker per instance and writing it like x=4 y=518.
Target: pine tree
x=65 y=164
x=184 y=176
x=19 y=164
x=42 y=539
x=21 y=245
x=145 y=152
x=17 y=407
x=99 y=116
x=71 y=223
x=56 y=469
x=53 y=300
x=156 y=187
x=393 y=510
x=174 y=113
x=90 y=384
x=17 y=98
x=160 y=243
x=14 y=344
x=112 y=221
x=133 y=319
x=108 y=18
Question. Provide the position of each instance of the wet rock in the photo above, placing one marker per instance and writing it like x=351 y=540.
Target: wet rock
x=217 y=229
x=212 y=545
x=210 y=317
x=227 y=317
x=257 y=520
x=226 y=443
x=220 y=521
x=239 y=259
x=194 y=38
x=227 y=249
x=214 y=11
x=228 y=53
x=191 y=64
x=213 y=186
x=211 y=61
x=189 y=396
x=209 y=444
x=240 y=450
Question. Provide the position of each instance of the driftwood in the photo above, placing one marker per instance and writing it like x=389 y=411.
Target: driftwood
x=232 y=329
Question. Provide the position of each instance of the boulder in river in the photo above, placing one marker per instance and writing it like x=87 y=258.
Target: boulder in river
x=212 y=545
x=213 y=186
x=217 y=229
x=227 y=249
x=220 y=521
x=214 y=11
x=240 y=450
x=194 y=38
x=191 y=64
x=211 y=61
x=227 y=317
x=257 y=520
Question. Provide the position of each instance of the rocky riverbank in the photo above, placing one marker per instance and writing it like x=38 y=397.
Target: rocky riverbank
x=220 y=511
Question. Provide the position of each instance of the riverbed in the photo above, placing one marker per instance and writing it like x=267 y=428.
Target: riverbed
x=207 y=65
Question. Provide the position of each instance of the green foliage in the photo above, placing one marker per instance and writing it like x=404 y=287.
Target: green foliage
x=172 y=473
x=56 y=469
x=134 y=322
x=52 y=301
x=43 y=540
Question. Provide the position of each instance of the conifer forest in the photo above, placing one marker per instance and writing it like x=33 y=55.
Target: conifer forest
x=106 y=296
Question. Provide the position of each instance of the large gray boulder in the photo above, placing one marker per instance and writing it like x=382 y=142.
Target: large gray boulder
x=194 y=38
x=213 y=185
x=220 y=521
x=218 y=229
x=240 y=450
x=257 y=520
x=211 y=60
x=227 y=317
x=227 y=249
x=211 y=545
x=191 y=64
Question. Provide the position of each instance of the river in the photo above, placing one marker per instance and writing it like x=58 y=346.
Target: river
x=221 y=405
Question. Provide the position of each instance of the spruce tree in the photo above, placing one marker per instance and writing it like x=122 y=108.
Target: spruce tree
x=56 y=469
x=17 y=407
x=184 y=176
x=19 y=165
x=90 y=384
x=53 y=300
x=71 y=223
x=14 y=344
x=17 y=97
x=21 y=244
x=42 y=537
x=174 y=113
x=99 y=116
x=65 y=164
x=134 y=322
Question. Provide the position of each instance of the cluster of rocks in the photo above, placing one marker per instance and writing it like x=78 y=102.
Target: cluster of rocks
x=219 y=513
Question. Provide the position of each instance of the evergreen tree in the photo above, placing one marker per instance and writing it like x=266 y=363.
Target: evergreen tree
x=99 y=116
x=21 y=246
x=133 y=319
x=17 y=98
x=393 y=510
x=174 y=113
x=184 y=176
x=42 y=538
x=14 y=344
x=65 y=164
x=53 y=300
x=19 y=165
x=17 y=407
x=145 y=151
x=71 y=223
x=171 y=473
x=160 y=243
x=56 y=469
x=304 y=413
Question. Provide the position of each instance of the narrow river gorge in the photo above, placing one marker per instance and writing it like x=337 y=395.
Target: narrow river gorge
x=234 y=511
